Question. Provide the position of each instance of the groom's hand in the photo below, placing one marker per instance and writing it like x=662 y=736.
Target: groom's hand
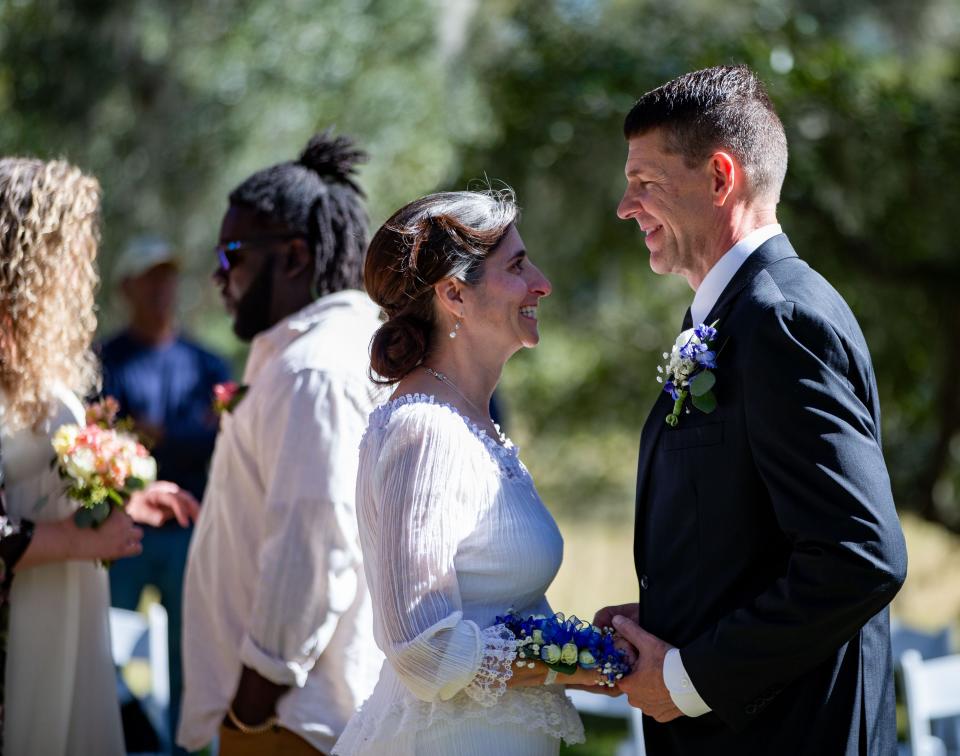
x=644 y=686
x=604 y=618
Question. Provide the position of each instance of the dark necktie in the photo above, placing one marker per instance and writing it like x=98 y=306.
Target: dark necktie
x=687 y=321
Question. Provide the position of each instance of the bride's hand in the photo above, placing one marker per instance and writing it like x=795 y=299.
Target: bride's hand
x=527 y=677
x=582 y=678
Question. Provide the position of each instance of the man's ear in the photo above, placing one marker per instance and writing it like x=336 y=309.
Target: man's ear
x=298 y=259
x=725 y=174
x=449 y=295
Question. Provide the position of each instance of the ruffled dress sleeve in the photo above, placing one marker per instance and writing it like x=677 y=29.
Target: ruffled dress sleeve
x=421 y=495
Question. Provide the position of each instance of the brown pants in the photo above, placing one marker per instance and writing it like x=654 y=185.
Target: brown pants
x=276 y=742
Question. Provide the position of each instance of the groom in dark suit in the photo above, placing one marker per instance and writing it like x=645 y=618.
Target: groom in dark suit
x=767 y=545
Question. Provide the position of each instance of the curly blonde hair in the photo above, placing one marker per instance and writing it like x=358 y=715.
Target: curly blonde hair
x=49 y=230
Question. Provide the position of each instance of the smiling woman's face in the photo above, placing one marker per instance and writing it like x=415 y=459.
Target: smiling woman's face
x=503 y=306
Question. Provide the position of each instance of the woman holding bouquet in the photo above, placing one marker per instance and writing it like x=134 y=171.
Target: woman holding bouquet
x=452 y=529
x=59 y=680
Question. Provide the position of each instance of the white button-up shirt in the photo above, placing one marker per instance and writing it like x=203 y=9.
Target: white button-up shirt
x=274 y=576
x=675 y=676
x=723 y=271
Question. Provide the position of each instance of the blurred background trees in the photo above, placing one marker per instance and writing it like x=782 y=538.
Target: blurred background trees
x=171 y=104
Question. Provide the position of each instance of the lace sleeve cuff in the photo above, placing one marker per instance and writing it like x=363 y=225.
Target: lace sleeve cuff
x=496 y=665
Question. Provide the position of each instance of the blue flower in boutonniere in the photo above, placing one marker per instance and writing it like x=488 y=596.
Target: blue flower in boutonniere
x=226 y=396
x=688 y=371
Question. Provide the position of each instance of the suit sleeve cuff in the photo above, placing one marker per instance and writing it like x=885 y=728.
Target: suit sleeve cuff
x=681 y=688
x=279 y=671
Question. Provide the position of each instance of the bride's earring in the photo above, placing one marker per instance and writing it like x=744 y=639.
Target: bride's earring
x=456 y=327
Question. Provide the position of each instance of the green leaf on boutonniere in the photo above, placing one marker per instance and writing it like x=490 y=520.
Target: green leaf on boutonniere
x=706 y=402
x=565 y=669
x=701 y=383
x=83 y=517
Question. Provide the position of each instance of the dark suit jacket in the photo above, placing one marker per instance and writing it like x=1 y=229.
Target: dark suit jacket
x=767 y=543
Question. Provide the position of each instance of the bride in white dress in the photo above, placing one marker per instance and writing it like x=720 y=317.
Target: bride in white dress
x=452 y=529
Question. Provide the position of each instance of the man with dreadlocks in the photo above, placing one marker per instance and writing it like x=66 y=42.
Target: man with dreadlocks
x=277 y=633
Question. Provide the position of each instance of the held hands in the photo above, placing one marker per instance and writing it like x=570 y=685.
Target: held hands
x=644 y=686
x=161 y=501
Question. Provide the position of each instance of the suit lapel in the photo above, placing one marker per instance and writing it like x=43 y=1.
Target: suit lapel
x=773 y=250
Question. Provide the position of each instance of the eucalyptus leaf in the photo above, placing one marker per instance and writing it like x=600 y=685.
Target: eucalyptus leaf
x=134 y=484
x=100 y=512
x=565 y=669
x=83 y=518
x=701 y=383
x=706 y=403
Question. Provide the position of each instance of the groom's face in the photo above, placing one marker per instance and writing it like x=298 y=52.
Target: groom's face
x=669 y=201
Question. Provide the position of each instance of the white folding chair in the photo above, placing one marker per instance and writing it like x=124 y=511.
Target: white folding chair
x=600 y=705
x=932 y=689
x=134 y=636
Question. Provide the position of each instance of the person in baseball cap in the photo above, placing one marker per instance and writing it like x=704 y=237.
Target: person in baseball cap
x=164 y=382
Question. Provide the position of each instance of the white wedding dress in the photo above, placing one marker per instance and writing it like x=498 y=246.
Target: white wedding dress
x=453 y=534
x=61 y=695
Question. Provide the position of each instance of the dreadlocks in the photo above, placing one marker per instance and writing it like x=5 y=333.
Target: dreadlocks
x=316 y=196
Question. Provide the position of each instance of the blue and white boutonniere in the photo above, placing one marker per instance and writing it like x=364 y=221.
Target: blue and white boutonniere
x=688 y=371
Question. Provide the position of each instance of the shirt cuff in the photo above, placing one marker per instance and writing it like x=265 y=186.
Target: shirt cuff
x=279 y=671
x=681 y=688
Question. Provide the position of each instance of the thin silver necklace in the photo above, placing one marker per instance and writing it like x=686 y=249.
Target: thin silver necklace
x=442 y=377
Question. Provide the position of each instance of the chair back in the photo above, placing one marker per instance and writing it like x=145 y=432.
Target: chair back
x=133 y=636
x=932 y=690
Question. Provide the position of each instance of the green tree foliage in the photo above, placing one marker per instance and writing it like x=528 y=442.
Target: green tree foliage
x=170 y=104
x=869 y=96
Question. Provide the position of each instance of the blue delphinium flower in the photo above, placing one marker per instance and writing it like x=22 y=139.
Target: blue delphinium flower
x=567 y=643
x=707 y=358
x=705 y=332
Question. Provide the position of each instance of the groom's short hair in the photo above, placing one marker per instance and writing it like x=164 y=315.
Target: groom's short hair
x=724 y=107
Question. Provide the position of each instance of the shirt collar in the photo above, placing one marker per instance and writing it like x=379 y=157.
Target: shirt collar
x=726 y=268
x=280 y=335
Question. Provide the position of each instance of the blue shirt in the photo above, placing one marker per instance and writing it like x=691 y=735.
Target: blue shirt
x=170 y=386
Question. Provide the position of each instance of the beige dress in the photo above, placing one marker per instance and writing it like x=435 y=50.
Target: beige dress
x=61 y=695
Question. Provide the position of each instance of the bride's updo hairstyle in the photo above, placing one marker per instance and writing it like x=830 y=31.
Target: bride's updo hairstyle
x=445 y=235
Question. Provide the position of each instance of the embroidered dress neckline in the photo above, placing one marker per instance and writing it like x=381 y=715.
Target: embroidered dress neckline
x=506 y=454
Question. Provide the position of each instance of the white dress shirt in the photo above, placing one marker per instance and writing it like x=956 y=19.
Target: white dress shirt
x=726 y=268
x=274 y=576
x=675 y=676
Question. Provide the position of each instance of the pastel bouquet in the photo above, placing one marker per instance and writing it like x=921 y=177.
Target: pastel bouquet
x=565 y=645
x=102 y=464
x=689 y=371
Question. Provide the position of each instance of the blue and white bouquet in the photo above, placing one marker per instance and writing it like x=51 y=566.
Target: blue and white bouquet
x=688 y=371
x=566 y=644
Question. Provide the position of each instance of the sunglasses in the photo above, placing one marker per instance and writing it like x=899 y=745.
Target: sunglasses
x=229 y=254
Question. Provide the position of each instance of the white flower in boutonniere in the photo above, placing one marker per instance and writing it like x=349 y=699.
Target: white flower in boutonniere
x=688 y=371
